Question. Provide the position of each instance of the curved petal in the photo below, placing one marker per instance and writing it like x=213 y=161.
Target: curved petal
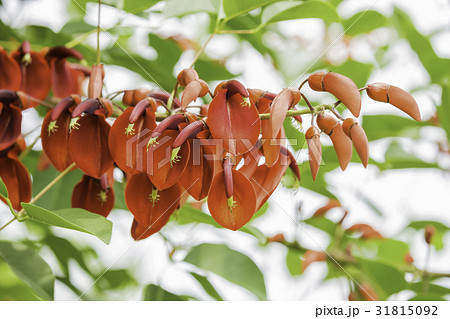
x=10 y=76
x=88 y=145
x=345 y=90
x=89 y=195
x=128 y=141
x=342 y=145
x=280 y=105
x=234 y=121
x=150 y=207
x=199 y=172
x=55 y=140
x=17 y=180
x=167 y=163
x=35 y=76
x=236 y=211
x=10 y=125
x=65 y=80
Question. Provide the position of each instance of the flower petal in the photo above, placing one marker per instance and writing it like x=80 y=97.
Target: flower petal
x=17 y=180
x=235 y=213
x=88 y=145
x=150 y=207
x=89 y=195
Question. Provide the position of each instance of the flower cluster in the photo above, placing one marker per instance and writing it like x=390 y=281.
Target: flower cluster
x=230 y=152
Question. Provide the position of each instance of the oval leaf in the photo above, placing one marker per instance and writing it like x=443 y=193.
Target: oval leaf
x=29 y=267
x=229 y=264
x=72 y=218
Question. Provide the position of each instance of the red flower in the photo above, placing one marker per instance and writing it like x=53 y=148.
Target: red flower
x=16 y=178
x=66 y=78
x=35 y=72
x=96 y=196
x=88 y=139
x=129 y=136
x=10 y=72
x=55 y=132
x=233 y=118
x=150 y=207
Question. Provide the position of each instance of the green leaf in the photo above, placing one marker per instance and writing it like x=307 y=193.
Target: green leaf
x=294 y=262
x=137 y=6
x=72 y=218
x=386 y=250
x=364 y=22
x=229 y=264
x=210 y=70
x=382 y=126
x=322 y=223
x=443 y=110
x=168 y=51
x=434 y=289
x=234 y=8
x=64 y=252
x=384 y=276
x=398 y=158
x=295 y=137
x=3 y=190
x=12 y=288
x=29 y=267
x=156 y=293
x=115 y=279
x=207 y=286
x=178 y=8
x=292 y=10
x=436 y=66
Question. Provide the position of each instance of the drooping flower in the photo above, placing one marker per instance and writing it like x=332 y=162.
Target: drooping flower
x=15 y=176
x=232 y=199
x=150 y=207
x=35 y=72
x=396 y=96
x=10 y=118
x=233 y=118
x=341 y=142
x=130 y=135
x=88 y=138
x=96 y=196
x=55 y=132
x=65 y=78
x=340 y=86
x=10 y=76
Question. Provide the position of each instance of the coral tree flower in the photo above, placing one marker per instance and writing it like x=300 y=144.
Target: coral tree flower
x=233 y=118
x=150 y=207
x=129 y=136
x=35 y=72
x=88 y=139
x=55 y=132
x=96 y=196
x=89 y=131
x=10 y=76
x=10 y=118
x=232 y=199
x=15 y=176
x=66 y=78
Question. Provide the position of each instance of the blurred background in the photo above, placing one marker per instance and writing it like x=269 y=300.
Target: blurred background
x=405 y=187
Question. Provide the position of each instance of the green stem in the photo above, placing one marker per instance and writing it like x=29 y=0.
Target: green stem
x=79 y=39
x=202 y=48
x=46 y=188
x=9 y=222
